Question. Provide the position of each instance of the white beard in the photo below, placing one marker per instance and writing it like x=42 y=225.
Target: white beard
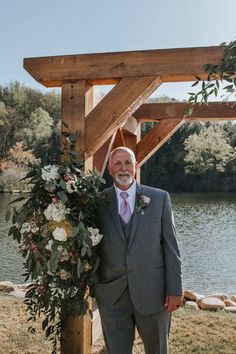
x=123 y=179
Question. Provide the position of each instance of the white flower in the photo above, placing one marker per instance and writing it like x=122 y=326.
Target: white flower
x=87 y=267
x=64 y=256
x=94 y=235
x=63 y=274
x=146 y=199
x=56 y=212
x=33 y=227
x=60 y=234
x=29 y=227
x=142 y=202
x=49 y=245
x=25 y=227
x=50 y=173
x=71 y=187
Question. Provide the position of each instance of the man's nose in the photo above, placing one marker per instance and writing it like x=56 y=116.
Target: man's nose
x=123 y=167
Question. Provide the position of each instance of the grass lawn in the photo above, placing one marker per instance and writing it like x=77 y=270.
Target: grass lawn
x=192 y=332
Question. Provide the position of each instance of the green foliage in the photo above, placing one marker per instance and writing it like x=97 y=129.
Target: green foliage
x=208 y=151
x=217 y=75
x=166 y=168
x=29 y=115
x=38 y=129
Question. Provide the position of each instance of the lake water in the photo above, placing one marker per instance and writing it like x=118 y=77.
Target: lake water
x=206 y=229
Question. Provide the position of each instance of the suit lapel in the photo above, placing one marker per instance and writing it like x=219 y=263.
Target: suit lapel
x=113 y=208
x=136 y=216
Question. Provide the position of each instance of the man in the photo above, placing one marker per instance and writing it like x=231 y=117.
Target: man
x=140 y=269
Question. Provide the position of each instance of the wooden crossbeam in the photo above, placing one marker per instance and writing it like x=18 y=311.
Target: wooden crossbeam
x=175 y=110
x=172 y=65
x=155 y=138
x=115 y=108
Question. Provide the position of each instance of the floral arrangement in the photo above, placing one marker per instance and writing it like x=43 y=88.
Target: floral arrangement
x=142 y=202
x=57 y=234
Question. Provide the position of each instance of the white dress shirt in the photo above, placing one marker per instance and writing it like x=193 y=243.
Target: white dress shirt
x=131 y=198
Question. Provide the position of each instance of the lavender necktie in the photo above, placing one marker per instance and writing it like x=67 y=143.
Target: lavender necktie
x=125 y=211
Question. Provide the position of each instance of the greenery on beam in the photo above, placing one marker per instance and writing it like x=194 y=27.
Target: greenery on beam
x=217 y=75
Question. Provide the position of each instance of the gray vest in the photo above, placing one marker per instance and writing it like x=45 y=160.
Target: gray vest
x=126 y=227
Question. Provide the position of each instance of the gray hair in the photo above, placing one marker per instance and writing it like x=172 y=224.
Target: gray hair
x=123 y=148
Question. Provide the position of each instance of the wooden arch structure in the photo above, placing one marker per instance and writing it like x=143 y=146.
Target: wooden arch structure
x=117 y=118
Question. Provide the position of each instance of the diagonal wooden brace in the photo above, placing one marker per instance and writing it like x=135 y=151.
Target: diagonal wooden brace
x=155 y=138
x=115 y=108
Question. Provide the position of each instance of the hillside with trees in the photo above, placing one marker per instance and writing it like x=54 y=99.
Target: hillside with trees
x=199 y=157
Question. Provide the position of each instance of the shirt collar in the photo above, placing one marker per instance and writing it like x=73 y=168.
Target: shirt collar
x=131 y=190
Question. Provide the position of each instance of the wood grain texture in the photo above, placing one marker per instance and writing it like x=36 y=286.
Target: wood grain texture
x=100 y=157
x=155 y=138
x=77 y=102
x=172 y=65
x=173 y=110
x=115 y=108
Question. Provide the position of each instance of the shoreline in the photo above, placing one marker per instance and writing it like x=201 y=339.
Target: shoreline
x=214 y=301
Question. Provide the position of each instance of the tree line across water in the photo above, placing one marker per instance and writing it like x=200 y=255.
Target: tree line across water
x=199 y=157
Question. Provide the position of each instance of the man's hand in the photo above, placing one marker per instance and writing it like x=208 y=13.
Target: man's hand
x=173 y=303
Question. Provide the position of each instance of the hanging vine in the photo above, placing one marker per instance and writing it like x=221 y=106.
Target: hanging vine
x=221 y=76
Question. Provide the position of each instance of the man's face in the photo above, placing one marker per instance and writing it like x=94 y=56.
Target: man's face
x=122 y=169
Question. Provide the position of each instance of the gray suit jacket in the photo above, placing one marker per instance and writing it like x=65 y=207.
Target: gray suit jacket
x=149 y=263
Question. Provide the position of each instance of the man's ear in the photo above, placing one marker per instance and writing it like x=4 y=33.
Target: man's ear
x=136 y=166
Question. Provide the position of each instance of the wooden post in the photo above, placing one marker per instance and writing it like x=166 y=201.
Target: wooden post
x=77 y=101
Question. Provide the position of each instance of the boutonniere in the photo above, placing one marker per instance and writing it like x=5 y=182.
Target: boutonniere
x=142 y=202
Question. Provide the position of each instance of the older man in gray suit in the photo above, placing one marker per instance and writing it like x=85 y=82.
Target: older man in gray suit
x=140 y=281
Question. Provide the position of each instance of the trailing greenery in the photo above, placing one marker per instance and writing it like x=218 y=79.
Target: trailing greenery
x=219 y=76
x=57 y=234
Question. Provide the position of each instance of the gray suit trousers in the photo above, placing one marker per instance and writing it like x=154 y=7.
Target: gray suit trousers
x=119 y=321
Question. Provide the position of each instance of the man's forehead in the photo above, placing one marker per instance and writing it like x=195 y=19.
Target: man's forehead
x=121 y=154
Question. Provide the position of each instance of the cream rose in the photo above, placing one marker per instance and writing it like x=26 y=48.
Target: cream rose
x=50 y=173
x=60 y=234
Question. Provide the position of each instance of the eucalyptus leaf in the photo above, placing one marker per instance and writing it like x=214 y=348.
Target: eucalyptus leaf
x=89 y=252
x=83 y=251
x=63 y=197
x=78 y=267
x=63 y=184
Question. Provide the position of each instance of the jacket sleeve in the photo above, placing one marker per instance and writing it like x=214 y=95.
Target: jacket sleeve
x=173 y=274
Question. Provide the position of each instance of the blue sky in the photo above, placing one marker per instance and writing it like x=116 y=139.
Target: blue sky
x=30 y=28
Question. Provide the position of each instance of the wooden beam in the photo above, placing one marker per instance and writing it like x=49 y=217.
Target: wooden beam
x=131 y=125
x=115 y=108
x=175 y=110
x=172 y=65
x=155 y=138
x=119 y=139
x=101 y=155
x=77 y=102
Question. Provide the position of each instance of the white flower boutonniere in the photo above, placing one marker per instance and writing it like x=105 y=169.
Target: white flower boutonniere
x=142 y=202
